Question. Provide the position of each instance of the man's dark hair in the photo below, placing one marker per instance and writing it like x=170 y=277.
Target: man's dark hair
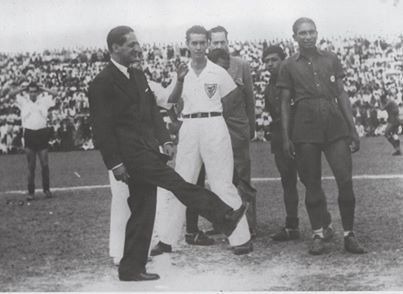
x=300 y=21
x=218 y=29
x=34 y=86
x=117 y=36
x=200 y=30
x=273 y=49
x=218 y=53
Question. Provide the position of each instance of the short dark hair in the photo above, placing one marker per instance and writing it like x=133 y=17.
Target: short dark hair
x=33 y=85
x=300 y=21
x=117 y=36
x=200 y=30
x=273 y=49
x=218 y=29
x=218 y=53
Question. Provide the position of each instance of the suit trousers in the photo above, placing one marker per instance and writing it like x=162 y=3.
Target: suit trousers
x=148 y=170
x=205 y=140
x=242 y=174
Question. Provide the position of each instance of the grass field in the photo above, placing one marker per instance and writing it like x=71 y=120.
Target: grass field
x=61 y=244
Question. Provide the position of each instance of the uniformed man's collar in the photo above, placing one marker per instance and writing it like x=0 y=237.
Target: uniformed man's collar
x=299 y=54
x=206 y=68
x=273 y=79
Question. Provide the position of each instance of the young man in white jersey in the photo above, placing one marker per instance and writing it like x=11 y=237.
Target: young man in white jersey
x=34 y=111
x=203 y=138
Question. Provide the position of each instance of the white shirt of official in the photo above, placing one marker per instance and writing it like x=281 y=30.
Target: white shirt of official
x=122 y=68
x=34 y=114
x=203 y=93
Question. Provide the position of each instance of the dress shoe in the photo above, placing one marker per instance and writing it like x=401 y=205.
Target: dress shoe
x=286 y=234
x=160 y=248
x=139 y=277
x=243 y=248
x=317 y=246
x=351 y=244
x=198 y=238
x=234 y=216
x=328 y=234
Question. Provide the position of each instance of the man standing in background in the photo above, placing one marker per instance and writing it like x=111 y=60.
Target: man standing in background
x=393 y=122
x=34 y=112
x=272 y=57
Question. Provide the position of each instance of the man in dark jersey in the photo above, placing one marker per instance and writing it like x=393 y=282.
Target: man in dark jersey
x=393 y=122
x=272 y=57
x=322 y=121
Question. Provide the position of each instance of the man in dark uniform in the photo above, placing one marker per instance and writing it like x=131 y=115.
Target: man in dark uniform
x=272 y=57
x=128 y=130
x=392 y=127
x=322 y=122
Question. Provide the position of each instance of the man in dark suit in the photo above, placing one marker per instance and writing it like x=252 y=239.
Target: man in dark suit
x=128 y=131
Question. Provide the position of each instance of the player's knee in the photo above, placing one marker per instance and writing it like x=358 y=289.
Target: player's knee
x=45 y=170
x=31 y=171
x=289 y=180
x=31 y=167
x=313 y=201
x=345 y=186
x=312 y=185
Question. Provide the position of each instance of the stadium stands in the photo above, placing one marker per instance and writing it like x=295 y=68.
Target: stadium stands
x=373 y=68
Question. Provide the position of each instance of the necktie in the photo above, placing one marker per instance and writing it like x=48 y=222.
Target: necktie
x=132 y=80
x=130 y=71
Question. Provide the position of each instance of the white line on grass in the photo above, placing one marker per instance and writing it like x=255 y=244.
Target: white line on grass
x=356 y=177
x=275 y=179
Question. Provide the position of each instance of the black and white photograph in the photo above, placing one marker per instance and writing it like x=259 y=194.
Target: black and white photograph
x=201 y=146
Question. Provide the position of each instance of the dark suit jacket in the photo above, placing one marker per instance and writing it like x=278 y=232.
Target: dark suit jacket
x=125 y=118
x=236 y=117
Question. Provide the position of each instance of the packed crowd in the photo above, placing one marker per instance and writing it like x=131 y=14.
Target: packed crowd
x=373 y=68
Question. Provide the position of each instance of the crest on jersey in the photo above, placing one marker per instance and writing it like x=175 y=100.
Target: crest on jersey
x=210 y=89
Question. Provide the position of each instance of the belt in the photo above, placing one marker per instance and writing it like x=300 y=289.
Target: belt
x=201 y=114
